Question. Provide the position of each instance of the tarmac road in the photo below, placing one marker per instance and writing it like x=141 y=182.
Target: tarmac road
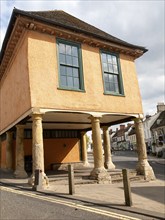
x=19 y=204
x=128 y=159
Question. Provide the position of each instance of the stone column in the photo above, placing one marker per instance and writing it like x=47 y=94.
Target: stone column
x=99 y=172
x=84 y=149
x=0 y=152
x=143 y=166
x=20 y=170
x=9 y=150
x=108 y=164
x=38 y=149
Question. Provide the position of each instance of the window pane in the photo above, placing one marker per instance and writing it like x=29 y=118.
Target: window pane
x=109 y=58
x=110 y=78
x=62 y=70
x=104 y=58
x=114 y=60
x=116 y=88
x=76 y=83
x=105 y=67
x=69 y=71
x=112 y=88
x=62 y=48
x=68 y=60
x=70 y=81
x=116 y=79
x=75 y=61
x=62 y=58
x=75 y=72
x=110 y=68
x=106 y=77
x=107 y=87
x=68 y=49
x=115 y=70
x=63 y=81
x=75 y=51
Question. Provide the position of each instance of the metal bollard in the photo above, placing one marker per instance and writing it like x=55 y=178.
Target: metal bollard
x=127 y=188
x=71 y=179
x=38 y=180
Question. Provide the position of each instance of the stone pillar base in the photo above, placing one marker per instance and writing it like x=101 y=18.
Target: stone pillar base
x=109 y=165
x=101 y=175
x=86 y=164
x=143 y=168
x=20 y=174
x=45 y=180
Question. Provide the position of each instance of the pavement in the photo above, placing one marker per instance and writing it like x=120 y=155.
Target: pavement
x=148 y=197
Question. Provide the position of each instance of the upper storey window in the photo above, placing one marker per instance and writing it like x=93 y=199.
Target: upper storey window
x=111 y=74
x=70 y=65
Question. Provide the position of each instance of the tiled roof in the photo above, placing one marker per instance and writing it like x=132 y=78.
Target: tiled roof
x=132 y=131
x=160 y=121
x=128 y=127
x=62 y=19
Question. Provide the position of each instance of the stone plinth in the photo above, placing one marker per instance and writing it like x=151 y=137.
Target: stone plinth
x=101 y=175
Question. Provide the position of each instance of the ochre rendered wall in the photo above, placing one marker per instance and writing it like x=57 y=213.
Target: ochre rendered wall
x=3 y=155
x=61 y=151
x=28 y=147
x=14 y=89
x=43 y=70
x=56 y=150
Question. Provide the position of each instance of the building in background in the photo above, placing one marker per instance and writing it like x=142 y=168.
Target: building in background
x=158 y=134
x=151 y=136
x=132 y=138
x=120 y=138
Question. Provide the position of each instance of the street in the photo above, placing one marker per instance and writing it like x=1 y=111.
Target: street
x=22 y=203
x=19 y=204
x=128 y=159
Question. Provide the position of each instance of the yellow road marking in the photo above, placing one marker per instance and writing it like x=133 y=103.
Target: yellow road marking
x=71 y=204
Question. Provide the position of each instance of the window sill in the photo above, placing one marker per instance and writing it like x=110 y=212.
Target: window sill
x=71 y=89
x=114 y=94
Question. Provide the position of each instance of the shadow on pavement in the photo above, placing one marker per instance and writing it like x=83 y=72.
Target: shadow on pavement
x=155 y=193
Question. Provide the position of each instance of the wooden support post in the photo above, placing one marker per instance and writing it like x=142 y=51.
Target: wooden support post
x=38 y=180
x=71 y=179
x=127 y=188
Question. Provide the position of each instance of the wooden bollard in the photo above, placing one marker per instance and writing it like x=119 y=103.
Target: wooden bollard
x=127 y=188
x=38 y=180
x=71 y=179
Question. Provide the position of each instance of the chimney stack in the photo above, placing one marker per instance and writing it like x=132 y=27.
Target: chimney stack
x=160 y=107
x=122 y=127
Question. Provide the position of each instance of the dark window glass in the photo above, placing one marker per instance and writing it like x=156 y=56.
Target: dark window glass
x=69 y=66
x=111 y=73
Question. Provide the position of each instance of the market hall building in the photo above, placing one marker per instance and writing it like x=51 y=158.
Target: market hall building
x=59 y=78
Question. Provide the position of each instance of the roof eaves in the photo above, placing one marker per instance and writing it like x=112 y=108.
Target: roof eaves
x=114 y=39
x=16 y=12
x=8 y=33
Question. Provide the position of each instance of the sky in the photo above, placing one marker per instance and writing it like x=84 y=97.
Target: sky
x=140 y=22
